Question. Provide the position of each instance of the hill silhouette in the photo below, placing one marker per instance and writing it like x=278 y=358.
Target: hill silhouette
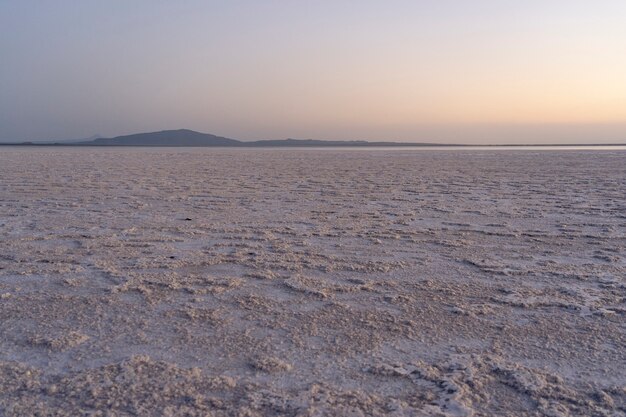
x=190 y=138
x=186 y=137
x=181 y=137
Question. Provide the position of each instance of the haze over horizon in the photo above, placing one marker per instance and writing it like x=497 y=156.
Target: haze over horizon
x=447 y=71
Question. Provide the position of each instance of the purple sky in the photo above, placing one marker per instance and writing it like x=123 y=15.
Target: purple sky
x=439 y=71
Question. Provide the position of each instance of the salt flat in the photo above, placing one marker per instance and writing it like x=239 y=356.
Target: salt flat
x=312 y=282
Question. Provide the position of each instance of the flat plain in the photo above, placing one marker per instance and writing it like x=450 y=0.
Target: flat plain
x=193 y=282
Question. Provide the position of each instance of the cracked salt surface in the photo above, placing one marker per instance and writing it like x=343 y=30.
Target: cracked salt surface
x=312 y=282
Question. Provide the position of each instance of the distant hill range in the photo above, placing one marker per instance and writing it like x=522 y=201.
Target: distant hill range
x=182 y=137
x=188 y=138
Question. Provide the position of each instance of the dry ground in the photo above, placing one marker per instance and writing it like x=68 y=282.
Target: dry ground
x=193 y=282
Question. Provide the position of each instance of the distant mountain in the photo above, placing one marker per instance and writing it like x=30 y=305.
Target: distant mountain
x=185 y=137
x=188 y=138
x=182 y=137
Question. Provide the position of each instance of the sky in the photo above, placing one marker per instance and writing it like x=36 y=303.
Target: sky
x=481 y=71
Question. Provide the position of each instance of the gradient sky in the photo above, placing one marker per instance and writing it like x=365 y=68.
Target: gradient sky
x=482 y=71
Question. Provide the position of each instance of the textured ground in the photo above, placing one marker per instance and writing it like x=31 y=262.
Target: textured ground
x=312 y=282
